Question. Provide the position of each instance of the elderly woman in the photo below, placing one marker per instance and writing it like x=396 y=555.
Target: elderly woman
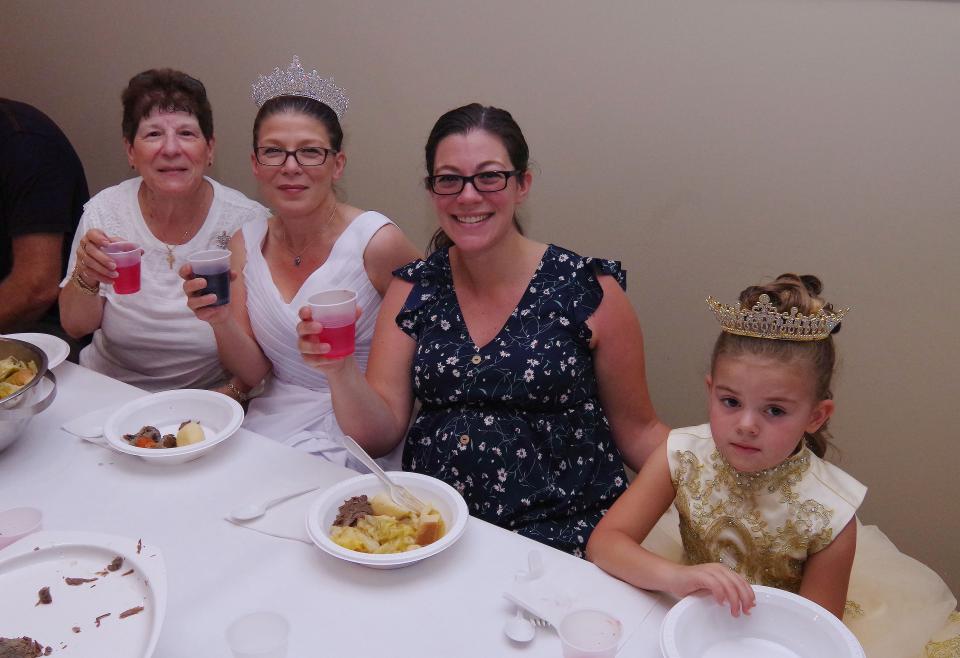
x=526 y=358
x=150 y=339
x=313 y=242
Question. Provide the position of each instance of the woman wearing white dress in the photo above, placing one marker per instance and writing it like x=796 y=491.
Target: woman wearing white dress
x=312 y=243
x=149 y=339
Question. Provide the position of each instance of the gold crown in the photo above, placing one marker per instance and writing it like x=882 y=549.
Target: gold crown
x=765 y=321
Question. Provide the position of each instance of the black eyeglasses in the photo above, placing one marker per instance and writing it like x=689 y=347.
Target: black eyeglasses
x=484 y=181
x=307 y=156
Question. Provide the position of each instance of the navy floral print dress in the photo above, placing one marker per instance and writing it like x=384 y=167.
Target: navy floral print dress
x=515 y=425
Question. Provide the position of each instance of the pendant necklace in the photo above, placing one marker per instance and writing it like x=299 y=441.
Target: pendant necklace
x=298 y=258
x=170 y=257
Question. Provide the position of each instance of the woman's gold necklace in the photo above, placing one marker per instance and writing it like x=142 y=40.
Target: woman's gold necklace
x=171 y=258
x=298 y=258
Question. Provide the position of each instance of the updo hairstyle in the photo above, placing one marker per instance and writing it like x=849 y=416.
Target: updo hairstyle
x=786 y=292
x=463 y=120
x=301 y=105
x=169 y=91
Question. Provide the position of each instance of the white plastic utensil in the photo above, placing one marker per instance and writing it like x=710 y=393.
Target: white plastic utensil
x=251 y=511
x=400 y=495
x=518 y=628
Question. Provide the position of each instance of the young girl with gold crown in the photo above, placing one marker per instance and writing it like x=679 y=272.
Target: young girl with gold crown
x=757 y=503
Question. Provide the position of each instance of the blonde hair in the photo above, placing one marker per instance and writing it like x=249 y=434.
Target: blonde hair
x=803 y=293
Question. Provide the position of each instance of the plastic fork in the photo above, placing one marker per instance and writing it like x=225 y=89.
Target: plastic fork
x=399 y=495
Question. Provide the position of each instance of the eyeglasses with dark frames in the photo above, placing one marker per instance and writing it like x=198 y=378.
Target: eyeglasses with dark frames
x=306 y=156
x=483 y=181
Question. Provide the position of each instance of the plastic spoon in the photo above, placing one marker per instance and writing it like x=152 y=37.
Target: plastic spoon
x=518 y=628
x=251 y=511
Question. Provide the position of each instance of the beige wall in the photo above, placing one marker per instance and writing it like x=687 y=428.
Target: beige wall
x=705 y=144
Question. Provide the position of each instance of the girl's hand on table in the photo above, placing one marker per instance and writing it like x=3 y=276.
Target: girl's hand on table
x=727 y=586
x=201 y=304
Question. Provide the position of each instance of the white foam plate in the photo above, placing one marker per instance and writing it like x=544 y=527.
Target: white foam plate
x=781 y=625
x=437 y=493
x=45 y=559
x=219 y=415
x=54 y=347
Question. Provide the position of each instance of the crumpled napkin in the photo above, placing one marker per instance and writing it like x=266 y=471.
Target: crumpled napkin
x=89 y=426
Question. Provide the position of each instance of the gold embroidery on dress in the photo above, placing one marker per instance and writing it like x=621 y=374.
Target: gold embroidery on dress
x=946 y=649
x=852 y=610
x=720 y=518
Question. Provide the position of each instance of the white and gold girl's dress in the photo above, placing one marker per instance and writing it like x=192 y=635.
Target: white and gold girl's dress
x=764 y=525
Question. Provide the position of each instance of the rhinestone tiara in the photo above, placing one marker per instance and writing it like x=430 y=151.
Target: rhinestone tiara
x=765 y=321
x=297 y=82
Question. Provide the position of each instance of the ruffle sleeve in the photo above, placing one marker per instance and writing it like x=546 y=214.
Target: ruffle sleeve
x=586 y=276
x=425 y=275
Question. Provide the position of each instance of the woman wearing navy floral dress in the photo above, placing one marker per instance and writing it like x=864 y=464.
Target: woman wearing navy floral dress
x=526 y=358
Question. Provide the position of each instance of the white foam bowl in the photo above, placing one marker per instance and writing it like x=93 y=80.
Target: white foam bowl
x=781 y=625
x=219 y=415
x=432 y=491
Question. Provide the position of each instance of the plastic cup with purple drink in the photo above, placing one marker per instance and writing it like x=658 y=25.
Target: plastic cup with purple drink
x=127 y=257
x=213 y=265
x=336 y=310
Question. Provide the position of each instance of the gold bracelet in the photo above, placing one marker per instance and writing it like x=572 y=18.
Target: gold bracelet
x=84 y=287
x=238 y=395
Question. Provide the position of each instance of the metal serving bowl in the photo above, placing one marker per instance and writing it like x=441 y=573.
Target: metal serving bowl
x=17 y=410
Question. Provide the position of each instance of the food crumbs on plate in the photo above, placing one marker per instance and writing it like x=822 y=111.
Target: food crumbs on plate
x=78 y=581
x=139 y=546
x=97 y=620
x=75 y=629
x=36 y=548
x=127 y=573
x=115 y=564
x=44 y=596
x=23 y=646
x=131 y=611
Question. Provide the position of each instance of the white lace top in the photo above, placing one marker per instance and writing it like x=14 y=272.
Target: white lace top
x=151 y=339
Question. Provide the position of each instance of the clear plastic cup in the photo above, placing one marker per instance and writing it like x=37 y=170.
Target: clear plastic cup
x=259 y=635
x=213 y=265
x=336 y=310
x=127 y=257
x=589 y=633
x=18 y=522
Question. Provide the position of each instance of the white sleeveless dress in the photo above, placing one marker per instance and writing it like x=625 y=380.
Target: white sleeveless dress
x=295 y=407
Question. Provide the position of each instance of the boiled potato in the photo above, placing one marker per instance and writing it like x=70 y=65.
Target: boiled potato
x=190 y=432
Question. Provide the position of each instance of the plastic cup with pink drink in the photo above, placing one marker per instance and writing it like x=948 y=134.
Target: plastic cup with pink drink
x=589 y=633
x=336 y=310
x=127 y=257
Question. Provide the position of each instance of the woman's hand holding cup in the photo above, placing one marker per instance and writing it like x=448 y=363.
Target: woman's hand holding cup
x=202 y=302
x=93 y=266
x=312 y=338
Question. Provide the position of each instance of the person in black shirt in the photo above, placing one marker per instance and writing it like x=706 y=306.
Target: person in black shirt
x=42 y=192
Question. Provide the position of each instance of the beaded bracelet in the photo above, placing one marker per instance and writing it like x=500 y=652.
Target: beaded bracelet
x=84 y=287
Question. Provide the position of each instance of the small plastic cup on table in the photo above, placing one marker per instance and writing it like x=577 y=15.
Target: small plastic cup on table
x=18 y=522
x=127 y=257
x=213 y=265
x=589 y=633
x=336 y=310
x=259 y=635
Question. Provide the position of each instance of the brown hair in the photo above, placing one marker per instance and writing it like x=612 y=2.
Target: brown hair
x=301 y=105
x=466 y=119
x=786 y=292
x=168 y=90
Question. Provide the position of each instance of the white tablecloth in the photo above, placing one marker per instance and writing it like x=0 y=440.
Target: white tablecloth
x=448 y=605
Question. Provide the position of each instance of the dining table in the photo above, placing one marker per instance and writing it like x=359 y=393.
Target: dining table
x=451 y=604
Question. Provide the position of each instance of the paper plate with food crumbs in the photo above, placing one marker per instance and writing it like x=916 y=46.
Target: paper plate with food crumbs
x=83 y=594
x=173 y=427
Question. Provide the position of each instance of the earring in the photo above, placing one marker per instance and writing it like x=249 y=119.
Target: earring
x=210 y=164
